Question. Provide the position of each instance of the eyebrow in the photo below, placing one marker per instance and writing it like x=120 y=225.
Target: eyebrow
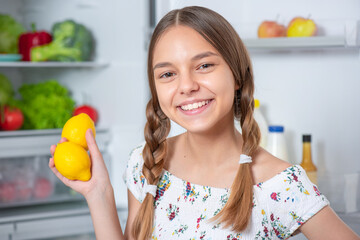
x=196 y=57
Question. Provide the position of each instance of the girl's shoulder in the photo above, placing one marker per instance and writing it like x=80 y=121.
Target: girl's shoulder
x=266 y=166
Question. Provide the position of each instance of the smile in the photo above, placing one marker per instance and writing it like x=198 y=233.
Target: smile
x=196 y=105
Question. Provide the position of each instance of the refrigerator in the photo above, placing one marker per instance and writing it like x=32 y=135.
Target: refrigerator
x=308 y=86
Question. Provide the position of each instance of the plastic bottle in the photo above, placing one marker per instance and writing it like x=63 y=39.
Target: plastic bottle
x=260 y=119
x=276 y=144
x=307 y=163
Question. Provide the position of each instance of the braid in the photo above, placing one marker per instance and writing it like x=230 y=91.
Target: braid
x=237 y=211
x=156 y=130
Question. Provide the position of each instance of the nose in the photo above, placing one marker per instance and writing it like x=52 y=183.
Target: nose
x=187 y=84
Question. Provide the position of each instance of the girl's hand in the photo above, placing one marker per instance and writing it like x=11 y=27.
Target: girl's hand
x=99 y=180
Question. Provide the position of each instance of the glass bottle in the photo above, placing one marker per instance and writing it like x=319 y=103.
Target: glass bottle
x=307 y=163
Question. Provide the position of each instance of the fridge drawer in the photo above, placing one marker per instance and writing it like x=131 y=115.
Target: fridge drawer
x=6 y=230
x=25 y=143
x=55 y=227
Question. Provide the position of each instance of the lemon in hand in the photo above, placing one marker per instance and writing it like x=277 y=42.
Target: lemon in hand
x=75 y=128
x=72 y=161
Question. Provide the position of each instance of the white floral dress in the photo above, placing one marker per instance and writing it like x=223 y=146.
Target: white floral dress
x=280 y=205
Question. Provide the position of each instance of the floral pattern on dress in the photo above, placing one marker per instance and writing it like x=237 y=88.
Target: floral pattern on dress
x=180 y=230
x=172 y=211
x=293 y=174
x=189 y=192
x=277 y=226
x=263 y=232
x=163 y=185
x=234 y=236
x=182 y=209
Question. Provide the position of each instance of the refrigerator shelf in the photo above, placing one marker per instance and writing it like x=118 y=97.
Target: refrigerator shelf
x=54 y=64
x=24 y=143
x=296 y=43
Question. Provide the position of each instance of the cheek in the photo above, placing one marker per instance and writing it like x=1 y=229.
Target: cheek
x=165 y=99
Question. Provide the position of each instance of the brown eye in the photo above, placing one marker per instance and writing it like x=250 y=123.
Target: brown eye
x=167 y=75
x=206 y=65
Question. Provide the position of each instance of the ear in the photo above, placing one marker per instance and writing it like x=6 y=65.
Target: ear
x=237 y=86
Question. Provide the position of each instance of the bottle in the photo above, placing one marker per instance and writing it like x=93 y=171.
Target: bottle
x=260 y=119
x=276 y=144
x=307 y=163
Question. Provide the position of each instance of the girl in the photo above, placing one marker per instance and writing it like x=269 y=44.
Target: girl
x=211 y=182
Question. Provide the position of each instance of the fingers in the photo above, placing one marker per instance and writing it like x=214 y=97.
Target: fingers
x=52 y=149
x=93 y=148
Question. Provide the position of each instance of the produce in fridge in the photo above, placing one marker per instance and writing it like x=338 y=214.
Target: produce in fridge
x=11 y=119
x=89 y=110
x=71 y=158
x=45 y=105
x=271 y=29
x=6 y=90
x=7 y=192
x=72 y=42
x=10 y=31
x=75 y=128
x=32 y=39
x=301 y=27
x=72 y=161
x=43 y=188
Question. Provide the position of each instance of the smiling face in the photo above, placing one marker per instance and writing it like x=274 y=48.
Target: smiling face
x=194 y=84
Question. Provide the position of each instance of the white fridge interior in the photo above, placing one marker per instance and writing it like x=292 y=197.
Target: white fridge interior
x=114 y=82
x=306 y=86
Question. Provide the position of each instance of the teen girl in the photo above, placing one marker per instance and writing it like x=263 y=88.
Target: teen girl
x=211 y=182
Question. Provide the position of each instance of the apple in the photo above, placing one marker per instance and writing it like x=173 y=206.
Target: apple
x=271 y=29
x=43 y=188
x=7 y=192
x=89 y=110
x=11 y=119
x=301 y=27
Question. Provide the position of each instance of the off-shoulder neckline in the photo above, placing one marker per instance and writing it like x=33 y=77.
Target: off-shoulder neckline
x=258 y=185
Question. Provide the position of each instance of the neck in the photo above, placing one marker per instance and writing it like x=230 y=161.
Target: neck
x=213 y=147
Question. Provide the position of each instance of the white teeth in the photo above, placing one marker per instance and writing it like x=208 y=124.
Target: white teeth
x=194 y=105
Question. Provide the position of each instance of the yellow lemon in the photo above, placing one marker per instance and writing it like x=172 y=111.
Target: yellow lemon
x=72 y=161
x=75 y=128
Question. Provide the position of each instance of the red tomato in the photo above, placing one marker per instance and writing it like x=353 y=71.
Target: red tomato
x=13 y=119
x=89 y=110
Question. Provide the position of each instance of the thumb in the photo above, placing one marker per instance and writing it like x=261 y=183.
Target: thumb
x=93 y=148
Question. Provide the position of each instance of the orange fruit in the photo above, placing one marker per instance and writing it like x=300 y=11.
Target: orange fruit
x=75 y=128
x=72 y=161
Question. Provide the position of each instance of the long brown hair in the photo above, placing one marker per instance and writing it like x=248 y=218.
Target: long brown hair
x=222 y=36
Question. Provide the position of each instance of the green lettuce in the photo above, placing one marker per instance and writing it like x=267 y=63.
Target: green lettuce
x=45 y=105
x=6 y=90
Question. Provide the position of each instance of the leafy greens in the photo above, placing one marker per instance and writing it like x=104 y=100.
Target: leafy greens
x=45 y=105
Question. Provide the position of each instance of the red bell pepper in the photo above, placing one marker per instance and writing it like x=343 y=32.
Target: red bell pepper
x=32 y=39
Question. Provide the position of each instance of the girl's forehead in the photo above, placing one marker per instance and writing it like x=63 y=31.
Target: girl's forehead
x=180 y=41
